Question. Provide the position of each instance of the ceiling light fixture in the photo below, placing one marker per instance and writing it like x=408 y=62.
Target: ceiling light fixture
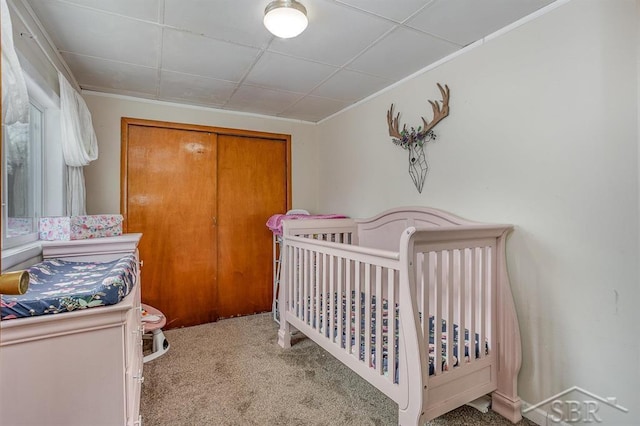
x=285 y=18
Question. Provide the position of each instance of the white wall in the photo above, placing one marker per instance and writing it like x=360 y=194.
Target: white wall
x=543 y=133
x=103 y=175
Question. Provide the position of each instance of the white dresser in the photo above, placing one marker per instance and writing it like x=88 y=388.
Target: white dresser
x=76 y=368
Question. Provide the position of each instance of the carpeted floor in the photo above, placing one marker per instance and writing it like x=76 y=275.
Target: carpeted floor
x=232 y=372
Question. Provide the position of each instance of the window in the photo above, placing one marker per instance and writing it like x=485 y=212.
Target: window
x=32 y=167
x=22 y=168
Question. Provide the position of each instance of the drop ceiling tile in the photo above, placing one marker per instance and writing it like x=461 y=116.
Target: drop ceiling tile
x=330 y=37
x=275 y=71
x=314 y=109
x=91 y=33
x=402 y=53
x=140 y=9
x=262 y=101
x=395 y=10
x=198 y=51
x=185 y=87
x=465 y=21
x=105 y=76
x=228 y=20
x=198 y=55
x=350 y=86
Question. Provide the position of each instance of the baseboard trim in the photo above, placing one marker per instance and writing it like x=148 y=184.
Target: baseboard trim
x=539 y=416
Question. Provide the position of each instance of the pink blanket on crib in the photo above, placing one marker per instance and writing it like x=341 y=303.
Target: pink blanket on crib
x=275 y=222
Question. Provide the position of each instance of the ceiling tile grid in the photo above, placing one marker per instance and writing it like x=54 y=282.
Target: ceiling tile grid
x=98 y=73
x=199 y=90
x=406 y=51
x=91 y=32
x=198 y=55
x=218 y=53
x=255 y=99
x=226 y=20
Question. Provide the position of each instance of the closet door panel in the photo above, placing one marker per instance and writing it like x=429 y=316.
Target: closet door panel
x=252 y=186
x=170 y=196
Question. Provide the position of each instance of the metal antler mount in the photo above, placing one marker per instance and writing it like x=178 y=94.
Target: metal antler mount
x=414 y=139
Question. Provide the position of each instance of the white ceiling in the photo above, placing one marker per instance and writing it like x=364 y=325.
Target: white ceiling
x=217 y=53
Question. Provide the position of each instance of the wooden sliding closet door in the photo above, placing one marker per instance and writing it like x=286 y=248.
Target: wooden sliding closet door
x=201 y=196
x=252 y=186
x=170 y=178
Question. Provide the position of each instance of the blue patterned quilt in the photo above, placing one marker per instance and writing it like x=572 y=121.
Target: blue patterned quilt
x=58 y=286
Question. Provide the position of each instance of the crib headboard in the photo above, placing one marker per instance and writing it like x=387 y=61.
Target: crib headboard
x=383 y=231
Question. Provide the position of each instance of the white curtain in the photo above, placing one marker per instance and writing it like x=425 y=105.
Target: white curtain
x=15 y=118
x=15 y=100
x=79 y=144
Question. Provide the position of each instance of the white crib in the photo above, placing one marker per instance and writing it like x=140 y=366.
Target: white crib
x=381 y=295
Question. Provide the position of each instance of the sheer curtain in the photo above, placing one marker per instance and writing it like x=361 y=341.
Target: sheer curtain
x=15 y=121
x=15 y=99
x=79 y=144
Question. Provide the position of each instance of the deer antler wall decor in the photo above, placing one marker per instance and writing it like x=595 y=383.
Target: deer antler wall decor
x=414 y=139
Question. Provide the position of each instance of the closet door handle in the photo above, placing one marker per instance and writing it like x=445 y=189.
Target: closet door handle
x=215 y=221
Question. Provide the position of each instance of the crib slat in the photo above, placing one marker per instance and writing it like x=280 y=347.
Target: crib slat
x=305 y=287
x=318 y=292
x=291 y=278
x=296 y=283
x=420 y=268
x=358 y=313
x=347 y=306
x=379 y=320
x=492 y=314
x=450 y=322
x=289 y=274
x=339 y=299
x=367 y=314
x=437 y=320
x=426 y=284
x=485 y=299
x=301 y=274
x=331 y=296
x=313 y=285
x=308 y=277
x=473 y=301
x=325 y=295
x=300 y=311
x=391 y=326
x=462 y=283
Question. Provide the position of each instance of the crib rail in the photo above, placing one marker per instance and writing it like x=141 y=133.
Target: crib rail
x=343 y=297
x=454 y=290
x=382 y=313
x=457 y=288
x=334 y=230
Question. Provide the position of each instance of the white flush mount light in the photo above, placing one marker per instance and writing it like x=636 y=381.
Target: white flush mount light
x=285 y=18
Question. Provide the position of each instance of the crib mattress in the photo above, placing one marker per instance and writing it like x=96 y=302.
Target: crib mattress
x=58 y=286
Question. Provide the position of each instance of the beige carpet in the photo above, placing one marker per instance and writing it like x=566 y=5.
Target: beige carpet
x=233 y=373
